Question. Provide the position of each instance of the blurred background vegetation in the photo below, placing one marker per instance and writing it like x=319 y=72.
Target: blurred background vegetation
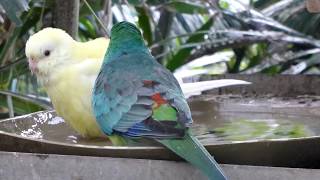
x=190 y=37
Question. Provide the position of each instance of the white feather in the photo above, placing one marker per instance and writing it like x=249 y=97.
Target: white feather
x=196 y=88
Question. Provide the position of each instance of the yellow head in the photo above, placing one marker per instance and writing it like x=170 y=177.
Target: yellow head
x=47 y=50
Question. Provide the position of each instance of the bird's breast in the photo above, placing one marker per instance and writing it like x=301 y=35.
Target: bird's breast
x=71 y=98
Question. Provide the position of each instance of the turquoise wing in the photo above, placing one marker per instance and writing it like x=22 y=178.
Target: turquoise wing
x=122 y=99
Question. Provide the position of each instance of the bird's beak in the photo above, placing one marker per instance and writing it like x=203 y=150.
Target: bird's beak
x=33 y=65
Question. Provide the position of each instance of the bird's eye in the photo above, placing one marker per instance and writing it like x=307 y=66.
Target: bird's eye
x=46 y=52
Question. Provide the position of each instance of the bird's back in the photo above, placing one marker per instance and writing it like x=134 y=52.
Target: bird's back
x=94 y=49
x=141 y=65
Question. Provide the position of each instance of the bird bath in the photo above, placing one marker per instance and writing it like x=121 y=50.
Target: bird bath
x=279 y=127
x=238 y=130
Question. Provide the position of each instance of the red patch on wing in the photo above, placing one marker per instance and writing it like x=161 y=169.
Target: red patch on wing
x=147 y=82
x=158 y=99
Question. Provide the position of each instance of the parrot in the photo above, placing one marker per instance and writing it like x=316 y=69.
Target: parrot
x=67 y=70
x=135 y=97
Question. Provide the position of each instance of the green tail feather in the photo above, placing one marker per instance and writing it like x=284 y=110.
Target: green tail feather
x=193 y=151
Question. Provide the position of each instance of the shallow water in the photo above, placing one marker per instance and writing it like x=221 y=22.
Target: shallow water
x=243 y=121
x=214 y=122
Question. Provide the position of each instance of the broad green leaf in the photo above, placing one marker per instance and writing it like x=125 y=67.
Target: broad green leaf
x=178 y=59
x=256 y=53
x=224 y=4
x=144 y=23
x=87 y=28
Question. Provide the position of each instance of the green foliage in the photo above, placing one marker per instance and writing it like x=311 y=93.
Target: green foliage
x=178 y=58
x=14 y=7
x=144 y=23
x=12 y=51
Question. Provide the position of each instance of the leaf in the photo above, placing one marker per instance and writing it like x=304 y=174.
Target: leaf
x=96 y=5
x=178 y=59
x=135 y=2
x=13 y=8
x=18 y=66
x=87 y=28
x=260 y=4
x=144 y=23
x=13 y=36
x=185 y=7
x=11 y=71
x=272 y=70
x=224 y=4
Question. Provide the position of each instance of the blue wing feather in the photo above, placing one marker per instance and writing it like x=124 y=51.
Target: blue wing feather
x=122 y=103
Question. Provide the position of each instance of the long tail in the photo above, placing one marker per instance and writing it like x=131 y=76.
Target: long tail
x=193 y=151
